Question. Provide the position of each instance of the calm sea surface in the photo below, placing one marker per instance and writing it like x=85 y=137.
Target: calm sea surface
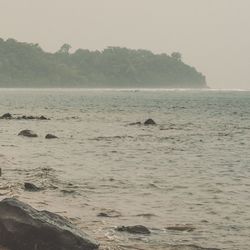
x=192 y=168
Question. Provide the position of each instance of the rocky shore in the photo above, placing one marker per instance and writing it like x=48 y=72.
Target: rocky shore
x=24 y=228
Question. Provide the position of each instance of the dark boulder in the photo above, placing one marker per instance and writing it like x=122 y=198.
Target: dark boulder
x=6 y=116
x=138 y=229
x=149 y=122
x=50 y=136
x=25 y=228
x=27 y=133
x=31 y=187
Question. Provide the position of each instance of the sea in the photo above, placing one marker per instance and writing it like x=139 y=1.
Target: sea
x=191 y=169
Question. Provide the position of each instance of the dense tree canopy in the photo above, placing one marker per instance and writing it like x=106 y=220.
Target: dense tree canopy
x=27 y=65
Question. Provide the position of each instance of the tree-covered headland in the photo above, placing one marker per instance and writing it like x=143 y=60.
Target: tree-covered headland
x=27 y=65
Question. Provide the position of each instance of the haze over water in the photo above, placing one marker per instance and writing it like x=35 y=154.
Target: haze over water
x=192 y=168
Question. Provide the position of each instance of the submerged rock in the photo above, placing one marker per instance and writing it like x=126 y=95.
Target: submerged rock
x=25 y=228
x=135 y=123
x=6 y=116
x=182 y=228
x=149 y=122
x=50 y=136
x=146 y=215
x=31 y=187
x=109 y=214
x=27 y=133
x=138 y=229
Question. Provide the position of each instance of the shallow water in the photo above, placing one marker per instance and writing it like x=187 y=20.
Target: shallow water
x=192 y=168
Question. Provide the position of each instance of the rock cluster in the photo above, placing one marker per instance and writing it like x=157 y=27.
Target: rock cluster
x=9 y=116
x=30 y=133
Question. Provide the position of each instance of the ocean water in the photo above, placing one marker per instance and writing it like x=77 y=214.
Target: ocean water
x=192 y=168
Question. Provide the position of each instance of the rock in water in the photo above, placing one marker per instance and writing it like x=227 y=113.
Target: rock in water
x=42 y=117
x=31 y=187
x=109 y=213
x=134 y=123
x=28 y=133
x=25 y=228
x=6 y=116
x=50 y=136
x=150 y=122
x=138 y=229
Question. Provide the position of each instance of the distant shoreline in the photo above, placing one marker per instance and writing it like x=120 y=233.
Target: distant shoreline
x=120 y=89
x=27 y=64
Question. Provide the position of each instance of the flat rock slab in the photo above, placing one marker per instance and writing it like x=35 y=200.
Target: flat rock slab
x=25 y=228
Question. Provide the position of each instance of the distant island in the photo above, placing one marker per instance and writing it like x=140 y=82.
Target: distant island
x=27 y=65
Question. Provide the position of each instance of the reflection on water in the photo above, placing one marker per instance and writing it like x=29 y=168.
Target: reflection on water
x=193 y=168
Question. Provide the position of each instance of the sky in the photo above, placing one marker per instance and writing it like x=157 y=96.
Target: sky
x=212 y=35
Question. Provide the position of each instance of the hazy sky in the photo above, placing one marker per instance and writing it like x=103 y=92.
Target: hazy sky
x=212 y=35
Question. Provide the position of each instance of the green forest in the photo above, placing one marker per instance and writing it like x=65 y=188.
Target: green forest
x=28 y=65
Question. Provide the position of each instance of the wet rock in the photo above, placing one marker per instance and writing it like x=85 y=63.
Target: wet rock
x=50 y=136
x=6 y=116
x=149 y=122
x=31 y=187
x=138 y=229
x=43 y=118
x=181 y=228
x=135 y=123
x=27 y=133
x=25 y=228
x=31 y=117
x=109 y=214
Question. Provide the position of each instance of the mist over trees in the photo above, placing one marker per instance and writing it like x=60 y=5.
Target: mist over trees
x=27 y=65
